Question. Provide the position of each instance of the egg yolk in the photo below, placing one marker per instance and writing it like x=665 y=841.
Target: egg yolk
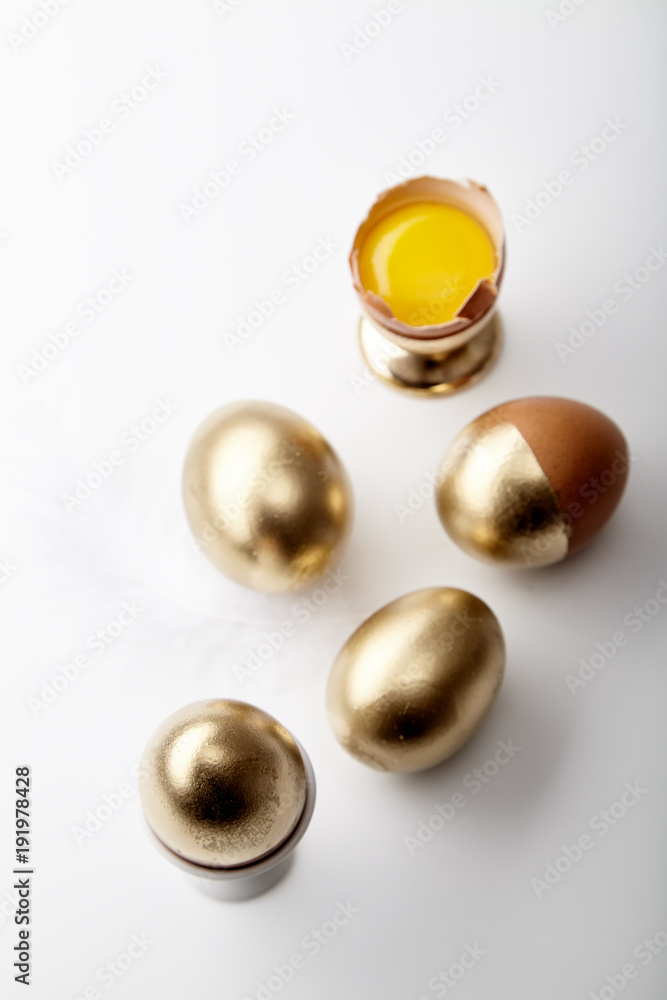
x=424 y=260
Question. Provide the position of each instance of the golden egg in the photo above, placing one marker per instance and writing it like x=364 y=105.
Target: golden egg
x=266 y=496
x=416 y=679
x=225 y=783
x=532 y=481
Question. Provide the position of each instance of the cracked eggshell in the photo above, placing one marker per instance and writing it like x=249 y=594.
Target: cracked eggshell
x=468 y=196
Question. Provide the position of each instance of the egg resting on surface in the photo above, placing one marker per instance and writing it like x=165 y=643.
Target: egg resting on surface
x=531 y=481
x=416 y=679
x=266 y=496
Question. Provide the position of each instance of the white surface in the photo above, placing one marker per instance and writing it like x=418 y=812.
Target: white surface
x=163 y=336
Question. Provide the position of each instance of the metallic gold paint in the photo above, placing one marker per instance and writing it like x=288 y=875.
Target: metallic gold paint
x=416 y=679
x=583 y=454
x=266 y=496
x=225 y=783
x=495 y=501
x=442 y=373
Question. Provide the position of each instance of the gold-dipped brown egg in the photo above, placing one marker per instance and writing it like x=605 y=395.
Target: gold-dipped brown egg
x=532 y=481
x=416 y=679
x=266 y=496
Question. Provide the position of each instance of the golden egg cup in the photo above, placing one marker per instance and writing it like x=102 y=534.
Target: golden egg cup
x=441 y=358
x=439 y=369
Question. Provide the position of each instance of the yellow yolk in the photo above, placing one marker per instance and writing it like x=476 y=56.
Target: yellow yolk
x=424 y=260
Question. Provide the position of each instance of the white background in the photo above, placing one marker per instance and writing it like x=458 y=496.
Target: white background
x=163 y=336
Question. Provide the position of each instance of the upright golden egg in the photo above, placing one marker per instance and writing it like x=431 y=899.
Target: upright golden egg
x=266 y=496
x=225 y=783
x=532 y=481
x=416 y=679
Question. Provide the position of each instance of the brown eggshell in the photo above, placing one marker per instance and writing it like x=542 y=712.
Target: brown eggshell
x=583 y=454
x=470 y=197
